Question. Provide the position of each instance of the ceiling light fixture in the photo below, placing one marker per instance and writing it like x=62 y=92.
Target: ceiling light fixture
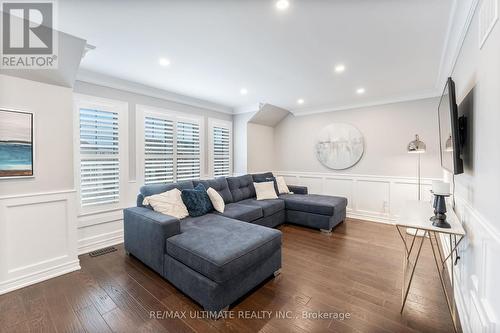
x=282 y=4
x=243 y=91
x=360 y=91
x=339 y=68
x=164 y=62
x=300 y=101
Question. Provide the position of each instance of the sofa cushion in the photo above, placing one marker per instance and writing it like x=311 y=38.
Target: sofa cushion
x=313 y=203
x=220 y=248
x=148 y=190
x=241 y=187
x=220 y=185
x=241 y=212
x=197 y=201
x=269 y=207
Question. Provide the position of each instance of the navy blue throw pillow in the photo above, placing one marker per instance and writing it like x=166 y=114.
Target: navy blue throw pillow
x=197 y=201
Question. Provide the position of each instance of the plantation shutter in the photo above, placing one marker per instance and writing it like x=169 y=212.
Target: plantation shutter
x=188 y=150
x=221 y=151
x=158 y=151
x=99 y=160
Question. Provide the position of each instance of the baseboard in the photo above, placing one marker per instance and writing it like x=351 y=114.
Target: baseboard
x=36 y=277
x=372 y=218
x=97 y=242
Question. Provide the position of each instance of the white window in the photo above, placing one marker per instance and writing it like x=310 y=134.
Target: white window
x=100 y=152
x=220 y=147
x=172 y=146
x=188 y=150
x=158 y=150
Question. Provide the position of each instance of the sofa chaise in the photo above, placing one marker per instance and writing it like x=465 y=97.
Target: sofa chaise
x=219 y=257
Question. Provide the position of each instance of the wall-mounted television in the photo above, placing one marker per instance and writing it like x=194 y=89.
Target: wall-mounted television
x=451 y=130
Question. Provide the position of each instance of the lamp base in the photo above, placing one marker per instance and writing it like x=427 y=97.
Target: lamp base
x=440 y=222
x=439 y=218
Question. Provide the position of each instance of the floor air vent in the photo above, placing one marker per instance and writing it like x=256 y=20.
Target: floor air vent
x=101 y=252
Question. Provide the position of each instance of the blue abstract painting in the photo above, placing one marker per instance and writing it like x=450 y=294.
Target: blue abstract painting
x=16 y=144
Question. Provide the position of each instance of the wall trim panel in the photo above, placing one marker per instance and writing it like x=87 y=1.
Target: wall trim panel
x=387 y=212
x=89 y=244
x=37 y=238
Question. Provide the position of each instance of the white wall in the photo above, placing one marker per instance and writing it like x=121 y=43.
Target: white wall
x=37 y=215
x=378 y=186
x=387 y=129
x=104 y=228
x=53 y=134
x=477 y=79
x=260 y=148
x=240 y=142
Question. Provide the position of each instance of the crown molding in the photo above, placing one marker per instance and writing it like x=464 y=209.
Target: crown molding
x=404 y=98
x=137 y=88
x=459 y=23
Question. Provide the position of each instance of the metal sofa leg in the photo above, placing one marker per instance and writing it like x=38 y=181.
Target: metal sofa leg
x=216 y=315
x=326 y=231
x=127 y=253
x=278 y=272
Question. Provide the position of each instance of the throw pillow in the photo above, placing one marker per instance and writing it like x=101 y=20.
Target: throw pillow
x=265 y=190
x=262 y=179
x=216 y=200
x=168 y=203
x=197 y=201
x=282 y=187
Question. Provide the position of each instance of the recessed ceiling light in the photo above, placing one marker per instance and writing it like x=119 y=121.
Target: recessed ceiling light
x=300 y=101
x=339 y=68
x=360 y=91
x=243 y=91
x=282 y=4
x=164 y=62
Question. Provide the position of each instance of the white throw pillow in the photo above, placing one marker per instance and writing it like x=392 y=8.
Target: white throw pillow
x=282 y=187
x=216 y=200
x=168 y=203
x=265 y=190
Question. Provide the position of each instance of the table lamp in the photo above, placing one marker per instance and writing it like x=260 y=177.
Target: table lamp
x=441 y=190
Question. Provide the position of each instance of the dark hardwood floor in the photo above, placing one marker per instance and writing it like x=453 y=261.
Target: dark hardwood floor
x=357 y=271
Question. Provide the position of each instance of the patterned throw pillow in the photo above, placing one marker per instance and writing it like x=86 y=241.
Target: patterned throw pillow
x=197 y=201
x=168 y=203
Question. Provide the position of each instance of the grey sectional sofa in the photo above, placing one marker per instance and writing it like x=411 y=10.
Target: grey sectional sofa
x=219 y=257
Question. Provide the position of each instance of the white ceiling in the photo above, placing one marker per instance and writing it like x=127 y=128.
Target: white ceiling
x=392 y=48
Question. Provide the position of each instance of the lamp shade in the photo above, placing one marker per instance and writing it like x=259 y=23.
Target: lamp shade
x=416 y=146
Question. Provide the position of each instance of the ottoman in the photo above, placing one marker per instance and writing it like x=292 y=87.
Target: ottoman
x=315 y=211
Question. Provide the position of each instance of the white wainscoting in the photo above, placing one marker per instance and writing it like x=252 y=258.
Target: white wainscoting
x=372 y=198
x=103 y=228
x=37 y=238
x=99 y=230
x=478 y=272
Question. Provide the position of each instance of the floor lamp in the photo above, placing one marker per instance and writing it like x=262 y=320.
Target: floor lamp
x=416 y=147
